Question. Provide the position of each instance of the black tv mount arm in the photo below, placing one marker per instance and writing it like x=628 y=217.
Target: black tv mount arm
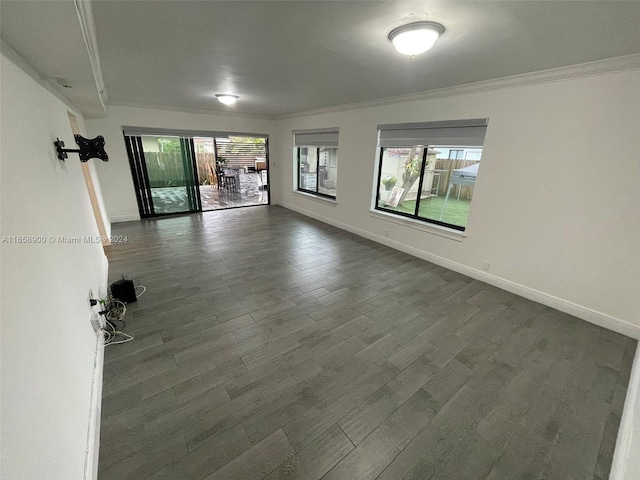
x=89 y=148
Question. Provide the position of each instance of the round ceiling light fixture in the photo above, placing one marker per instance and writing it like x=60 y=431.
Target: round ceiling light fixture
x=415 y=38
x=226 y=98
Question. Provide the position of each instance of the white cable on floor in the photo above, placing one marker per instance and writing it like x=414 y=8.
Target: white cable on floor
x=128 y=338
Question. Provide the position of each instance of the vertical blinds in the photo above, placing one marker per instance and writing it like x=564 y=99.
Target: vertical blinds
x=140 y=175
x=143 y=183
x=316 y=138
x=459 y=133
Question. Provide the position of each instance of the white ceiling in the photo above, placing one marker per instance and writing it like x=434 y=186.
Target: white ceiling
x=48 y=36
x=292 y=56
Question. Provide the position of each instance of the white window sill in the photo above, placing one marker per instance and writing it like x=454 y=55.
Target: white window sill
x=433 y=229
x=311 y=196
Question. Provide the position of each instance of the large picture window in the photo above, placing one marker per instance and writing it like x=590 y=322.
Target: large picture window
x=316 y=154
x=427 y=171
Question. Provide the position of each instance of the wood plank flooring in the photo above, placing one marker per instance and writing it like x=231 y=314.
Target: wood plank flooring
x=269 y=345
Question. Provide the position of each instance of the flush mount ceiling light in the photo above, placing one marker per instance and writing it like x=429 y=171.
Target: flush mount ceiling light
x=226 y=98
x=415 y=38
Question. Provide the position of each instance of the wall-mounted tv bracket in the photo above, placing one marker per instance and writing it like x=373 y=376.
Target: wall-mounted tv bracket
x=89 y=148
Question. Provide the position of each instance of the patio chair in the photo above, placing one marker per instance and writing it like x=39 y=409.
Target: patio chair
x=231 y=179
x=215 y=177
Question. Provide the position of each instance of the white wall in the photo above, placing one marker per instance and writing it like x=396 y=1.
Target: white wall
x=115 y=176
x=555 y=207
x=626 y=461
x=48 y=345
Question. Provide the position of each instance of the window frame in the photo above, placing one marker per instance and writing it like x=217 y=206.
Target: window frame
x=456 y=157
x=456 y=135
x=305 y=190
x=414 y=216
x=316 y=139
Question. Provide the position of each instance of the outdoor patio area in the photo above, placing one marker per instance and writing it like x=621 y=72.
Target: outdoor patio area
x=214 y=199
x=175 y=200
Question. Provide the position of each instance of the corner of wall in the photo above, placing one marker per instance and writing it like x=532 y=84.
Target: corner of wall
x=626 y=461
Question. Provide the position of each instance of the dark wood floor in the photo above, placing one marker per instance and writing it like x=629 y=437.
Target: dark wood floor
x=269 y=345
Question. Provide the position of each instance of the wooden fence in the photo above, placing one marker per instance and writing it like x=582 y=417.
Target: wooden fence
x=240 y=154
x=206 y=163
x=165 y=169
x=241 y=161
x=446 y=168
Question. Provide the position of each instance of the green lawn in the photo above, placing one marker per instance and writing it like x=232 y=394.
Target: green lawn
x=456 y=213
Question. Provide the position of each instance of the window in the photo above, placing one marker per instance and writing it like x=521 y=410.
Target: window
x=316 y=154
x=427 y=171
x=456 y=154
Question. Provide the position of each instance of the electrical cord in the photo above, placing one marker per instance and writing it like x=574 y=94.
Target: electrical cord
x=114 y=333
x=144 y=289
x=107 y=336
x=127 y=338
x=114 y=311
x=117 y=310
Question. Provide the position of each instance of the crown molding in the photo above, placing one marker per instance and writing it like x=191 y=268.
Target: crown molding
x=26 y=67
x=590 y=69
x=200 y=110
x=88 y=28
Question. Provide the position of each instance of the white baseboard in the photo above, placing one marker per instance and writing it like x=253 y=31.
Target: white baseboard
x=598 y=318
x=626 y=461
x=92 y=449
x=93 y=433
x=125 y=218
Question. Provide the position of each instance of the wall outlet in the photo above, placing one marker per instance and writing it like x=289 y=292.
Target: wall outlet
x=486 y=265
x=386 y=233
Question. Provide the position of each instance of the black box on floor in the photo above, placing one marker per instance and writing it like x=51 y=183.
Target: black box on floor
x=124 y=290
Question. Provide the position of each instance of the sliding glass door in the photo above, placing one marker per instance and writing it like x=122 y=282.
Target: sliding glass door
x=182 y=171
x=164 y=173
